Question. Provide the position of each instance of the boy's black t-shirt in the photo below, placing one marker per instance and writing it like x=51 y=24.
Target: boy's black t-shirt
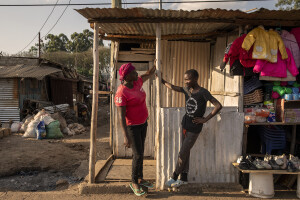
x=195 y=106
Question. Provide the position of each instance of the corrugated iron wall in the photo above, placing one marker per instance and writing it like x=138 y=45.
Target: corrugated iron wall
x=178 y=57
x=9 y=100
x=224 y=87
x=218 y=145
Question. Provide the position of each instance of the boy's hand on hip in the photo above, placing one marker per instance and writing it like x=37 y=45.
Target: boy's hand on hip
x=199 y=120
x=126 y=142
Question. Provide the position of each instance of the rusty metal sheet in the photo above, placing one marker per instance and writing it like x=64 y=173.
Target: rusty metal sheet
x=27 y=71
x=218 y=145
x=9 y=100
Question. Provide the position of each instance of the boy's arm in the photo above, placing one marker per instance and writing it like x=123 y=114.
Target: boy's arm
x=149 y=73
x=172 y=87
x=217 y=108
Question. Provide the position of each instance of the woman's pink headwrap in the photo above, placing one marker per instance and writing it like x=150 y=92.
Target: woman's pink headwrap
x=125 y=69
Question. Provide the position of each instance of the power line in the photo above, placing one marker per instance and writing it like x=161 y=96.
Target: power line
x=127 y=3
x=40 y=28
x=57 y=20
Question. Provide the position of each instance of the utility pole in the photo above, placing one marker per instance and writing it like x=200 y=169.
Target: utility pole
x=160 y=4
x=39 y=45
x=116 y=3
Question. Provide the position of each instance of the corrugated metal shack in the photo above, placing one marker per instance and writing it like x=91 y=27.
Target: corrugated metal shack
x=189 y=39
x=35 y=79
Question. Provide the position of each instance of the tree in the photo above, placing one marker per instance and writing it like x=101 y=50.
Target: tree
x=82 y=41
x=56 y=42
x=288 y=4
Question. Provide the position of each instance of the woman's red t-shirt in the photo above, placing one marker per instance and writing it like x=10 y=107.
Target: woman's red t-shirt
x=135 y=101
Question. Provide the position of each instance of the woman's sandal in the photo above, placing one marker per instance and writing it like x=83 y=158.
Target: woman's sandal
x=137 y=192
x=146 y=184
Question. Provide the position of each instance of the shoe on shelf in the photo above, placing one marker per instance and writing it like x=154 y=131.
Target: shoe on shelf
x=279 y=160
x=295 y=161
x=267 y=157
x=274 y=165
x=250 y=164
x=265 y=164
x=291 y=167
x=284 y=159
x=258 y=164
x=170 y=182
x=240 y=158
x=178 y=183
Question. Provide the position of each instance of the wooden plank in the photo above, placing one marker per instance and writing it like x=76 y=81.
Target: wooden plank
x=143 y=49
x=118 y=172
x=93 y=133
x=236 y=165
x=128 y=162
x=136 y=52
x=138 y=66
x=275 y=123
x=136 y=57
x=245 y=138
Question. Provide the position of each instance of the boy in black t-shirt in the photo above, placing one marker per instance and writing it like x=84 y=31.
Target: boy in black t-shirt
x=196 y=99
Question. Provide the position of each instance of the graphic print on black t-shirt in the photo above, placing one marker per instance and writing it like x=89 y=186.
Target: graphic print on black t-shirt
x=195 y=106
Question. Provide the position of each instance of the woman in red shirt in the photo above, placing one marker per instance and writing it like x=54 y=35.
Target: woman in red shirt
x=130 y=100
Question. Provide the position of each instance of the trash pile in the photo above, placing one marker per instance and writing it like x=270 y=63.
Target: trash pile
x=44 y=125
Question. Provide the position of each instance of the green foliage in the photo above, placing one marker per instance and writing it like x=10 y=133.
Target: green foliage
x=81 y=61
x=288 y=4
x=75 y=52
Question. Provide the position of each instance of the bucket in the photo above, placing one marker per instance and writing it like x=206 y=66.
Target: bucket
x=261 y=185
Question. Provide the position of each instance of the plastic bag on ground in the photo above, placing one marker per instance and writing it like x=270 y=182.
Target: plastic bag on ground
x=47 y=119
x=25 y=125
x=15 y=127
x=41 y=130
x=61 y=119
x=53 y=130
x=30 y=132
x=39 y=114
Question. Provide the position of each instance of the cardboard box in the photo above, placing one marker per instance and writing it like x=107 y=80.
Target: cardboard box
x=287 y=111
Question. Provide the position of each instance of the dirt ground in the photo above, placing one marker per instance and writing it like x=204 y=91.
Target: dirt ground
x=42 y=165
x=53 y=169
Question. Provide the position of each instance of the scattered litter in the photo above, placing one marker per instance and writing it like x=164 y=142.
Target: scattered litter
x=76 y=129
x=16 y=126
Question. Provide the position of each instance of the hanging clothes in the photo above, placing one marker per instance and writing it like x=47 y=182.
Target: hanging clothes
x=265 y=44
x=236 y=52
x=276 y=44
x=278 y=69
x=290 y=42
x=296 y=33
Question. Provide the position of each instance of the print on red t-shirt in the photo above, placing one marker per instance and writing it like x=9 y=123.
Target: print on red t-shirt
x=135 y=101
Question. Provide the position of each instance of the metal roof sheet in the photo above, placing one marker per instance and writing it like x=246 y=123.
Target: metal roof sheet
x=27 y=71
x=141 y=21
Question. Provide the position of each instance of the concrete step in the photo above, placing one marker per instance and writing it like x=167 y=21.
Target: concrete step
x=123 y=187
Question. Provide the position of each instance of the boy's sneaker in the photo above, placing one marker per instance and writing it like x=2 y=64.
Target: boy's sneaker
x=179 y=183
x=170 y=182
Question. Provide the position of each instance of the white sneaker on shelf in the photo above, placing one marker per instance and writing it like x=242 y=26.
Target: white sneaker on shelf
x=170 y=182
x=179 y=183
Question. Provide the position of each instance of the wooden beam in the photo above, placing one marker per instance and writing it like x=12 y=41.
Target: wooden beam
x=136 y=57
x=158 y=20
x=269 y=22
x=164 y=37
x=138 y=66
x=93 y=133
x=158 y=91
x=136 y=52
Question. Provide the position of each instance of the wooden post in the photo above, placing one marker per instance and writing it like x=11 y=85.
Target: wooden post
x=158 y=90
x=241 y=82
x=293 y=139
x=93 y=134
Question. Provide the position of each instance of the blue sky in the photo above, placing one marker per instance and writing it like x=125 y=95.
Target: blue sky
x=20 y=24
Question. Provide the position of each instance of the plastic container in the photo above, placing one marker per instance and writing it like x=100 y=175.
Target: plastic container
x=295 y=96
x=260 y=119
x=262 y=112
x=249 y=119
